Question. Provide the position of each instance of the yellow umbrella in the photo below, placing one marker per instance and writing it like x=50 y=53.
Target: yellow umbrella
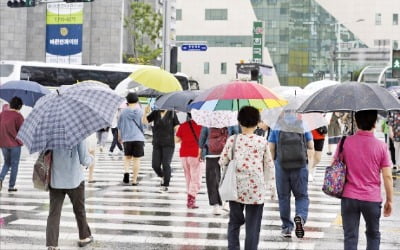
x=156 y=78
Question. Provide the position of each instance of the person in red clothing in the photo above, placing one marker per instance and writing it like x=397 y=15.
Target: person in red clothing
x=10 y=122
x=319 y=138
x=188 y=135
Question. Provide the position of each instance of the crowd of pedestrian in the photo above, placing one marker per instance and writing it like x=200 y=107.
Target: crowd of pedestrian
x=269 y=162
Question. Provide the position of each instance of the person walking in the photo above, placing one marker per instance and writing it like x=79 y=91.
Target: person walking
x=67 y=178
x=315 y=157
x=211 y=148
x=11 y=121
x=165 y=124
x=394 y=135
x=334 y=131
x=290 y=153
x=367 y=160
x=188 y=135
x=254 y=171
x=91 y=145
x=102 y=135
x=130 y=131
x=114 y=130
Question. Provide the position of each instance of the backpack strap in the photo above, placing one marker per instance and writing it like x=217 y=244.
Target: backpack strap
x=194 y=133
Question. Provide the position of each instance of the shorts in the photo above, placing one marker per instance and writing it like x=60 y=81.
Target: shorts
x=319 y=144
x=134 y=148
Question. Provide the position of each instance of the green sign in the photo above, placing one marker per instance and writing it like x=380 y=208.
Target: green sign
x=396 y=64
x=258 y=41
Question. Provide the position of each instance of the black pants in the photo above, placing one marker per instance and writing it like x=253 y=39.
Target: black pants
x=213 y=176
x=162 y=155
x=115 y=141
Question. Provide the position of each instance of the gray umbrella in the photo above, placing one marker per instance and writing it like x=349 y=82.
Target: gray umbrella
x=350 y=96
x=178 y=100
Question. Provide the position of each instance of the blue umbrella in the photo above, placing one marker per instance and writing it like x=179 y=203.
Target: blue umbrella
x=28 y=91
x=63 y=119
x=178 y=100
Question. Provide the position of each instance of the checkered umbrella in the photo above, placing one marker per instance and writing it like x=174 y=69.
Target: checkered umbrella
x=63 y=119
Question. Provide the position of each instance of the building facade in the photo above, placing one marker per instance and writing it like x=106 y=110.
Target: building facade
x=301 y=37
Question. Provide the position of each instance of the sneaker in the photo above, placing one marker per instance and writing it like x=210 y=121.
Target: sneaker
x=329 y=153
x=286 y=233
x=110 y=153
x=12 y=189
x=163 y=188
x=217 y=210
x=299 y=226
x=85 y=242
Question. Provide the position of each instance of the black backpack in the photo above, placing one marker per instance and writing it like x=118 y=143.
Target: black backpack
x=291 y=150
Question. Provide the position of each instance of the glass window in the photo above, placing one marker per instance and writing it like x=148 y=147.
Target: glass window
x=178 y=14
x=395 y=19
x=6 y=69
x=216 y=14
x=223 y=68
x=207 y=68
x=378 y=19
x=179 y=68
x=395 y=44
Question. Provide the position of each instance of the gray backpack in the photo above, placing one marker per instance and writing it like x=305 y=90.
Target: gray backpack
x=291 y=150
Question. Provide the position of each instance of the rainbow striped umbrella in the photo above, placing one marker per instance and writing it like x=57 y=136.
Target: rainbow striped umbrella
x=218 y=106
x=234 y=95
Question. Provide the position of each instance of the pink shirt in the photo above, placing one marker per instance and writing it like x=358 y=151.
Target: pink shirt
x=364 y=156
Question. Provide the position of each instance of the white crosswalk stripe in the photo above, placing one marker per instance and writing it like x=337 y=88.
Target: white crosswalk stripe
x=142 y=217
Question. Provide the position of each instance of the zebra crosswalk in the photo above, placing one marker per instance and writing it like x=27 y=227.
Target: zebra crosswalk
x=142 y=217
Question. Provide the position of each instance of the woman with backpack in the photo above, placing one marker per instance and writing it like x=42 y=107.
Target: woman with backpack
x=211 y=142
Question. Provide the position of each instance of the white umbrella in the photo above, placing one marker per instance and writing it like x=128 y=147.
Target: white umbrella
x=313 y=87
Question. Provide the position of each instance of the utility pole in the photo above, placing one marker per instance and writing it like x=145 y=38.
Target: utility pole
x=166 y=34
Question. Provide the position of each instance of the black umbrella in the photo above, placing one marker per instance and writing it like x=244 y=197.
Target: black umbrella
x=178 y=100
x=350 y=96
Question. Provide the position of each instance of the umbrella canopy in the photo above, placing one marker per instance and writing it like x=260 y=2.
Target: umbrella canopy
x=178 y=100
x=218 y=106
x=350 y=96
x=63 y=119
x=287 y=119
x=127 y=85
x=312 y=87
x=234 y=95
x=28 y=91
x=156 y=78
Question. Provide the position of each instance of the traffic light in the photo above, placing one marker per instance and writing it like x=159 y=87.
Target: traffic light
x=396 y=64
x=173 y=66
x=77 y=1
x=21 y=3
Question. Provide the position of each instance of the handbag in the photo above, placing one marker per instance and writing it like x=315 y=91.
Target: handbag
x=335 y=175
x=42 y=170
x=227 y=186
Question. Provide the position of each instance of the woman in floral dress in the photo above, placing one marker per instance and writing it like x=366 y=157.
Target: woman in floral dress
x=254 y=173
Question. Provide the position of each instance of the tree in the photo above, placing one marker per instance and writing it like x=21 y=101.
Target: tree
x=143 y=26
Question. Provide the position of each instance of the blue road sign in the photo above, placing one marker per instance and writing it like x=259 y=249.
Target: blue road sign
x=194 y=47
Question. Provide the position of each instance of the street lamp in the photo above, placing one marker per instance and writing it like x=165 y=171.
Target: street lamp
x=338 y=41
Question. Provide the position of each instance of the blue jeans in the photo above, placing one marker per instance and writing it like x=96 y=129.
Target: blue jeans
x=288 y=181
x=11 y=160
x=351 y=210
x=253 y=224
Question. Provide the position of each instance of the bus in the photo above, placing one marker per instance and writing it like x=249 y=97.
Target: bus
x=55 y=74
